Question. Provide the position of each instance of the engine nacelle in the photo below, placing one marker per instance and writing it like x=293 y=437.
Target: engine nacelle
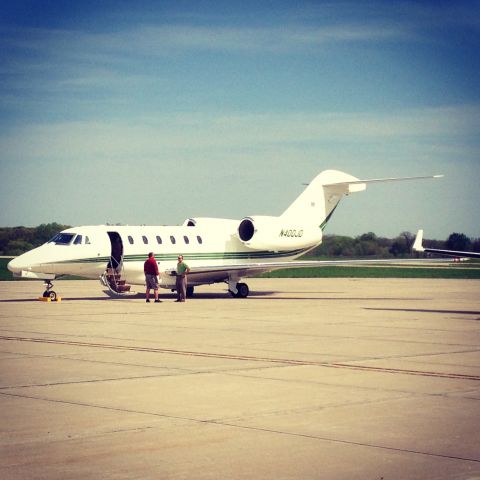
x=276 y=233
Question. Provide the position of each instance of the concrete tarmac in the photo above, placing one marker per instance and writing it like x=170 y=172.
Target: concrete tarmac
x=305 y=379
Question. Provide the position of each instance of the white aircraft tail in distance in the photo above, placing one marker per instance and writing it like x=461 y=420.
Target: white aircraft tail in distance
x=418 y=247
x=216 y=250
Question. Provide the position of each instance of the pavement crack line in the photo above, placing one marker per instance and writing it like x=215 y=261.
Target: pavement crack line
x=250 y=428
x=81 y=382
x=284 y=361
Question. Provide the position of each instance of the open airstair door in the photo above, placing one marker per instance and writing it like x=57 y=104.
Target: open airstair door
x=113 y=274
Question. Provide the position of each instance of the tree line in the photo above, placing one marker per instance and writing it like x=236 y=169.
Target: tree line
x=369 y=244
x=17 y=240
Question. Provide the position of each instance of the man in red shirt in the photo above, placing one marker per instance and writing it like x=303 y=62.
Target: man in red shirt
x=150 y=269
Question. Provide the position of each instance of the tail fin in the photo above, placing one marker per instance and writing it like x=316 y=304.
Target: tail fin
x=418 y=243
x=318 y=201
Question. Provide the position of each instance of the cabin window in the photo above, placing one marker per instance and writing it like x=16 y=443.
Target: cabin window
x=199 y=239
x=78 y=240
x=62 y=238
x=172 y=239
x=159 y=240
x=130 y=240
x=186 y=240
x=145 y=239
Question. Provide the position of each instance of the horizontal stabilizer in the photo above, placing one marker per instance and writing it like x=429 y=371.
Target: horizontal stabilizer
x=380 y=180
x=359 y=185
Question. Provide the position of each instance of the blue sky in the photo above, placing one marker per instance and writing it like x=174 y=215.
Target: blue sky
x=149 y=112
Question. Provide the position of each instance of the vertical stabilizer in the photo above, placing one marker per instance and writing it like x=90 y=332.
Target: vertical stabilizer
x=317 y=202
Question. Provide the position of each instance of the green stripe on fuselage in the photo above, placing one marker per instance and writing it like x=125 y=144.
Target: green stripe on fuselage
x=164 y=257
x=264 y=255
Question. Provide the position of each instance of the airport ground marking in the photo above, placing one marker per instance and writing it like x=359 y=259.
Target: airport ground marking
x=283 y=361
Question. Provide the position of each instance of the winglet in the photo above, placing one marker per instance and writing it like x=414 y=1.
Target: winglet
x=417 y=245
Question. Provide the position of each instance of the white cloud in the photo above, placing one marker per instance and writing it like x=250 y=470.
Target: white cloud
x=160 y=40
x=202 y=132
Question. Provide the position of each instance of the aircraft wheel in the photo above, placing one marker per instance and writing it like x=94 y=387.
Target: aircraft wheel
x=190 y=292
x=243 y=290
x=51 y=294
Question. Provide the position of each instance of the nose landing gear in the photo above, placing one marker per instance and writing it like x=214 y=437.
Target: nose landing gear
x=49 y=293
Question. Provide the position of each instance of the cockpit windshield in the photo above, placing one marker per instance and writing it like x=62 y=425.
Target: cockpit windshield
x=62 y=238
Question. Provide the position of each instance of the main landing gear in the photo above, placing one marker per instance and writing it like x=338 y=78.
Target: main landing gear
x=242 y=290
x=189 y=292
x=49 y=293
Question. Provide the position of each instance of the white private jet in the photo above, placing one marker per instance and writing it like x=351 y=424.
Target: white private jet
x=217 y=250
x=418 y=247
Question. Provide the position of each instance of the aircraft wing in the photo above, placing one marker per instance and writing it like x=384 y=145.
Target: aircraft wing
x=249 y=269
x=418 y=247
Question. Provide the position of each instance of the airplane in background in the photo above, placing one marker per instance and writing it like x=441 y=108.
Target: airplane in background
x=418 y=247
x=216 y=250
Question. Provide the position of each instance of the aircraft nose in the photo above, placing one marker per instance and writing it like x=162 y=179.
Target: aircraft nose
x=24 y=265
x=24 y=262
x=15 y=265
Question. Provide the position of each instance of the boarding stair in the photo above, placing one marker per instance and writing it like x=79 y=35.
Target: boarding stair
x=112 y=278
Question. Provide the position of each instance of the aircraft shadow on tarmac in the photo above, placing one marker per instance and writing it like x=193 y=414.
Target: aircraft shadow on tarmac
x=340 y=299
x=425 y=310
x=27 y=300
x=267 y=295
x=138 y=296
